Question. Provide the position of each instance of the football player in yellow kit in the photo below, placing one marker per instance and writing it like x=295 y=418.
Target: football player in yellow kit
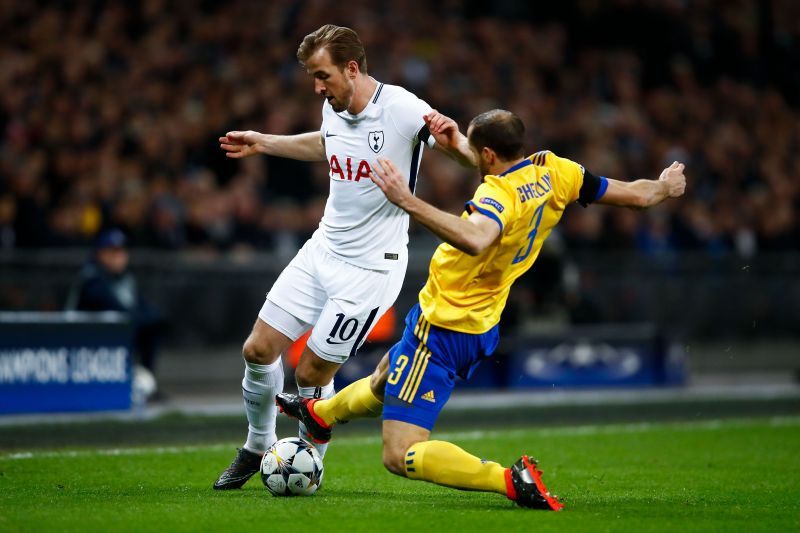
x=455 y=325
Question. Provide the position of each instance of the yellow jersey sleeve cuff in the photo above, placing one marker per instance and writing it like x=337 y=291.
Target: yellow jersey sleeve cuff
x=471 y=207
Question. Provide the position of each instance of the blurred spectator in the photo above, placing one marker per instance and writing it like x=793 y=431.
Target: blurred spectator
x=110 y=111
x=105 y=284
x=8 y=212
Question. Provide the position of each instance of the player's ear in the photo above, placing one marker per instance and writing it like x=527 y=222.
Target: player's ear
x=488 y=155
x=352 y=69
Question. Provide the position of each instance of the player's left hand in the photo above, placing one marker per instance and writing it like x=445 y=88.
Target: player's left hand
x=448 y=139
x=443 y=128
x=388 y=179
x=674 y=178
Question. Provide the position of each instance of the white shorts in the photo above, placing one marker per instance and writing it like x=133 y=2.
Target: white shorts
x=341 y=301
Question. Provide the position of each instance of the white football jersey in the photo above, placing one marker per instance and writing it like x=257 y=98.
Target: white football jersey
x=360 y=225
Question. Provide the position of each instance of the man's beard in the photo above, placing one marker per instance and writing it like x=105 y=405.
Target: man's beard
x=342 y=103
x=337 y=105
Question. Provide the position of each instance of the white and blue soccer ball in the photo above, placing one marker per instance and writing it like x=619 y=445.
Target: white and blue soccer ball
x=292 y=467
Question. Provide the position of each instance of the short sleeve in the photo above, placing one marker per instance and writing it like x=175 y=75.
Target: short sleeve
x=567 y=178
x=493 y=201
x=407 y=111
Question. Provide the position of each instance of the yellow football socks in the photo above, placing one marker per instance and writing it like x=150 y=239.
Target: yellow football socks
x=354 y=401
x=446 y=464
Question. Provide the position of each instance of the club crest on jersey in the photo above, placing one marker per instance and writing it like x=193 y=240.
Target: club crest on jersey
x=375 y=140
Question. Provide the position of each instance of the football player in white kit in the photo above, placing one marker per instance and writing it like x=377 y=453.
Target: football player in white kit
x=351 y=270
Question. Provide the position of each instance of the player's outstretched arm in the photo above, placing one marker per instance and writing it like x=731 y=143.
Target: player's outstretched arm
x=303 y=147
x=471 y=235
x=449 y=140
x=646 y=193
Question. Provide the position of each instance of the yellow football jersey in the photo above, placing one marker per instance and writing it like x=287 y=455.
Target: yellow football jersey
x=468 y=293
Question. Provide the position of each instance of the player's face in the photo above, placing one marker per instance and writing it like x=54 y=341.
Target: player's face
x=335 y=84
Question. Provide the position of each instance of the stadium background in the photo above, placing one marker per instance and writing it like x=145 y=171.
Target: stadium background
x=109 y=117
x=110 y=113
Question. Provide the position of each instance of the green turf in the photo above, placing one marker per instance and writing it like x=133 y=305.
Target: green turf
x=721 y=476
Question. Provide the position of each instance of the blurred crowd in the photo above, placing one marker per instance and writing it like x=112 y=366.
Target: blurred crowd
x=110 y=113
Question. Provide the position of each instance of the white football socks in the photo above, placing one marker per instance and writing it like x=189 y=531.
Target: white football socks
x=309 y=392
x=260 y=385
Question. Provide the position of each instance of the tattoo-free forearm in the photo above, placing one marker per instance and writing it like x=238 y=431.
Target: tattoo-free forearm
x=452 y=229
x=462 y=153
x=303 y=147
x=639 y=194
x=650 y=192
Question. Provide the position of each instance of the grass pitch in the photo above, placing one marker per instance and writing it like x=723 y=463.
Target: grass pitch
x=722 y=476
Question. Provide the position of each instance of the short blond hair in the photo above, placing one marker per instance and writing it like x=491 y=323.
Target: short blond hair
x=342 y=44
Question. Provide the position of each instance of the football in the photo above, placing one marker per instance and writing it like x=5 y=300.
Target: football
x=292 y=467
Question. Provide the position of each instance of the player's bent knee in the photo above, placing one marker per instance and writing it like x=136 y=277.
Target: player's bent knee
x=394 y=454
x=394 y=460
x=259 y=353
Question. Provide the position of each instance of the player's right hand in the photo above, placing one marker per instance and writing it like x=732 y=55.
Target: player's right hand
x=238 y=144
x=674 y=178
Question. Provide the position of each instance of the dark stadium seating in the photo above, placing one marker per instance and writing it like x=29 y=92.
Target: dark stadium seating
x=110 y=112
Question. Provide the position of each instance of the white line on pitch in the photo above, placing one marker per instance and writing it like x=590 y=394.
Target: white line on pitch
x=710 y=425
